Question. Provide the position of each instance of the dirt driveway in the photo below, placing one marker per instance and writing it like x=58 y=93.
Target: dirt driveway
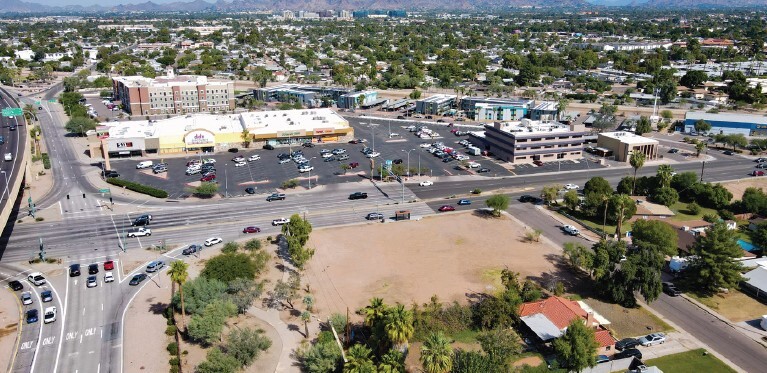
x=451 y=255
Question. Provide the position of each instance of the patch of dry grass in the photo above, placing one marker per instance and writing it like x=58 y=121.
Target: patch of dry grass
x=736 y=306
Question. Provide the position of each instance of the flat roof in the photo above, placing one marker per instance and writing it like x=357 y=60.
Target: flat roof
x=628 y=137
x=531 y=127
x=166 y=81
x=439 y=98
x=725 y=117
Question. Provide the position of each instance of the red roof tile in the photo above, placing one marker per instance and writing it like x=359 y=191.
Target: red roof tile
x=604 y=338
x=559 y=311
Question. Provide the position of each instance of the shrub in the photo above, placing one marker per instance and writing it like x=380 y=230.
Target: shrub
x=230 y=248
x=39 y=218
x=175 y=369
x=254 y=244
x=172 y=348
x=170 y=330
x=246 y=344
x=693 y=208
x=476 y=191
x=290 y=184
x=136 y=187
x=227 y=267
x=174 y=361
x=711 y=218
x=46 y=161
x=726 y=215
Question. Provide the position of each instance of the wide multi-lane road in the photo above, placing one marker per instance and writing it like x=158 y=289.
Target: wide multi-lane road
x=13 y=143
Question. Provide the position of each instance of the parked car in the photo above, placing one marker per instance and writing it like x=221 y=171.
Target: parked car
x=673 y=151
x=268 y=147
x=209 y=177
x=137 y=279
x=373 y=154
x=111 y=173
x=358 y=195
x=445 y=208
x=254 y=157
x=354 y=164
x=308 y=144
x=652 y=339
x=241 y=164
x=191 y=249
x=109 y=265
x=569 y=229
x=343 y=157
x=213 y=241
x=250 y=190
x=251 y=230
x=571 y=187
x=631 y=352
x=280 y=221
x=670 y=289
x=602 y=359
x=483 y=170
x=238 y=159
x=626 y=343
x=538 y=163
x=374 y=216
x=463 y=202
x=426 y=183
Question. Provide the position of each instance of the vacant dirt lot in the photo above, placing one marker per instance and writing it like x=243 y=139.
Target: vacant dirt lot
x=453 y=256
x=738 y=187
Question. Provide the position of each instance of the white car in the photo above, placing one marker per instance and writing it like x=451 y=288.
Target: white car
x=213 y=240
x=305 y=169
x=373 y=154
x=569 y=229
x=240 y=164
x=254 y=157
x=327 y=155
x=26 y=298
x=426 y=183
x=8 y=156
x=49 y=315
x=425 y=145
x=474 y=165
x=209 y=160
x=36 y=278
x=238 y=159
x=109 y=277
x=572 y=187
x=652 y=339
x=280 y=221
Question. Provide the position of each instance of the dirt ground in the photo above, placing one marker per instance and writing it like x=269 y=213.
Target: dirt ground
x=739 y=186
x=9 y=323
x=453 y=256
x=145 y=340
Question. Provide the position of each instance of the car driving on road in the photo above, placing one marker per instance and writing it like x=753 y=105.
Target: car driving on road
x=426 y=183
x=15 y=285
x=275 y=197
x=36 y=278
x=191 y=249
x=50 y=315
x=140 y=232
x=74 y=270
x=572 y=187
x=155 y=266
x=213 y=240
x=32 y=316
x=26 y=298
x=358 y=195
x=569 y=229
x=46 y=296
x=374 y=216
x=91 y=282
x=137 y=279
x=280 y=221
x=670 y=289
x=446 y=208
x=251 y=230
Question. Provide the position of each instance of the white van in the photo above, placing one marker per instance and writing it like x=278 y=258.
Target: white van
x=144 y=164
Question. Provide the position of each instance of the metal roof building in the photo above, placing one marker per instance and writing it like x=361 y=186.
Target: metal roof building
x=728 y=123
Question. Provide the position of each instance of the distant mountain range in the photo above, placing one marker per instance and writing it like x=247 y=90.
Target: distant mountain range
x=18 y=6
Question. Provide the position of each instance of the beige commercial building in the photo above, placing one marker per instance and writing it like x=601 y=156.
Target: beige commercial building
x=623 y=144
x=173 y=94
x=528 y=141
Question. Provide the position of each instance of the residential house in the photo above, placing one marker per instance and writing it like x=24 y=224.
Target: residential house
x=549 y=318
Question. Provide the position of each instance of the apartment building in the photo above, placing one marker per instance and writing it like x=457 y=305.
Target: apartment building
x=527 y=141
x=490 y=109
x=173 y=94
x=437 y=104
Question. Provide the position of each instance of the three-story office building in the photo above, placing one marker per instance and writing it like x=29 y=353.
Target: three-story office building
x=527 y=141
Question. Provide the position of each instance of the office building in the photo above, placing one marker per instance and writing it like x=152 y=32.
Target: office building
x=727 y=123
x=624 y=144
x=545 y=111
x=489 y=109
x=307 y=95
x=435 y=105
x=527 y=141
x=172 y=94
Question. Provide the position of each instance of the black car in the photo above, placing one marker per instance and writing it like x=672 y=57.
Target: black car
x=308 y=145
x=15 y=285
x=529 y=198
x=191 y=249
x=728 y=152
x=329 y=159
x=374 y=216
x=32 y=316
x=626 y=343
x=268 y=147
x=12 y=127
x=250 y=190
x=111 y=173
x=2 y=140
x=483 y=169
x=46 y=296
x=93 y=269
x=673 y=151
x=137 y=279
x=397 y=161
x=275 y=197
x=632 y=352
x=140 y=221
x=74 y=270
x=670 y=289
x=358 y=195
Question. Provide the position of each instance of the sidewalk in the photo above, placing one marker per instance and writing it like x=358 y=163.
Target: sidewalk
x=754 y=333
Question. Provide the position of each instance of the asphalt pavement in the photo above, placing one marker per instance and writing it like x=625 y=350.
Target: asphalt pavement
x=13 y=143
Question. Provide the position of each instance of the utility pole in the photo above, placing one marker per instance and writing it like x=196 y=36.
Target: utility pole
x=702 y=167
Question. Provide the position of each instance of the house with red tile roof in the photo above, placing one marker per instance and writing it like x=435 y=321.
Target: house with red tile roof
x=549 y=318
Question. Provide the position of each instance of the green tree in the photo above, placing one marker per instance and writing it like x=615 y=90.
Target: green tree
x=30 y=113
x=374 y=312
x=550 y=192
x=702 y=126
x=736 y=140
x=437 y=354
x=359 y=360
x=205 y=190
x=207 y=326
x=321 y=357
x=392 y=362
x=665 y=196
x=498 y=203
x=218 y=362
x=227 y=267
x=246 y=344
x=246 y=138
x=398 y=325
x=80 y=125
x=198 y=293
x=622 y=207
x=699 y=146
x=415 y=94
x=178 y=274
x=306 y=316
x=297 y=231
x=664 y=175
x=578 y=256
x=572 y=200
x=715 y=267
x=693 y=208
x=637 y=161
x=667 y=115
x=655 y=235
x=693 y=79
x=577 y=348
x=759 y=236
x=643 y=126
x=500 y=344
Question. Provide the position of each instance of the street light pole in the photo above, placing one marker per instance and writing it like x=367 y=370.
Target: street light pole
x=226 y=182
x=408 y=161
x=419 y=166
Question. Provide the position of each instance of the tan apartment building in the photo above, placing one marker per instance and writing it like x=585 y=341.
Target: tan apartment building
x=623 y=144
x=527 y=141
x=173 y=94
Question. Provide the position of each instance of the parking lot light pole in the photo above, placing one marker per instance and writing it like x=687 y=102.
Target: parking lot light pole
x=419 y=166
x=408 y=161
x=310 y=174
x=226 y=182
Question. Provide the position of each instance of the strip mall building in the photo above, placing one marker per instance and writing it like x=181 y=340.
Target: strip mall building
x=210 y=133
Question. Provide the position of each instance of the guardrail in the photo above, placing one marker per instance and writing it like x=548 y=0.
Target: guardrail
x=23 y=164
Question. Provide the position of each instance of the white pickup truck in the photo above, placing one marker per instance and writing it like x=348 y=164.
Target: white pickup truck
x=139 y=232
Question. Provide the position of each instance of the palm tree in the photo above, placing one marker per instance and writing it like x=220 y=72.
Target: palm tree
x=699 y=146
x=306 y=317
x=392 y=362
x=358 y=360
x=178 y=275
x=436 y=354
x=561 y=107
x=665 y=173
x=636 y=161
x=621 y=203
x=398 y=325
x=374 y=312
x=29 y=112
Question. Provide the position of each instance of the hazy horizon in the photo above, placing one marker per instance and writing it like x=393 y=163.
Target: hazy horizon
x=99 y=2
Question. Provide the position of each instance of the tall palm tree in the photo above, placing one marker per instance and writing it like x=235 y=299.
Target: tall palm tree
x=699 y=146
x=392 y=362
x=398 y=325
x=358 y=360
x=436 y=354
x=29 y=112
x=374 y=312
x=637 y=161
x=621 y=203
x=561 y=107
x=178 y=275
x=665 y=173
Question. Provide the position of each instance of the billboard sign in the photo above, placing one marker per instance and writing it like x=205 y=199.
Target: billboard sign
x=199 y=138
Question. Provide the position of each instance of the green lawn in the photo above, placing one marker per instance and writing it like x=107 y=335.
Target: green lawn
x=596 y=223
x=680 y=209
x=694 y=361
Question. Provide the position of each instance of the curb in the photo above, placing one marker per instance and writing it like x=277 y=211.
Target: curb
x=18 y=335
x=719 y=317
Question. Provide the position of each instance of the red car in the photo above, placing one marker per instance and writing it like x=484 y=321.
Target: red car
x=251 y=230
x=109 y=265
x=757 y=173
x=354 y=164
x=210 y=177
x=446 y=208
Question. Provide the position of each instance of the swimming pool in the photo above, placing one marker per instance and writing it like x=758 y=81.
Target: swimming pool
x=748 y=246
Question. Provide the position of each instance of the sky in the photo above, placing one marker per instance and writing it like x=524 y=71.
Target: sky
x=95 y=2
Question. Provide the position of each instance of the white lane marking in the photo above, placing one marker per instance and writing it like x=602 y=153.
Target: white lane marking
x=83 y=311
x=27 y=345
x=61 y=209
x=102 y=306
x=72 y=335
x=40 y=335
x=49 y=340
x=81 y=338
x=89 y=332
